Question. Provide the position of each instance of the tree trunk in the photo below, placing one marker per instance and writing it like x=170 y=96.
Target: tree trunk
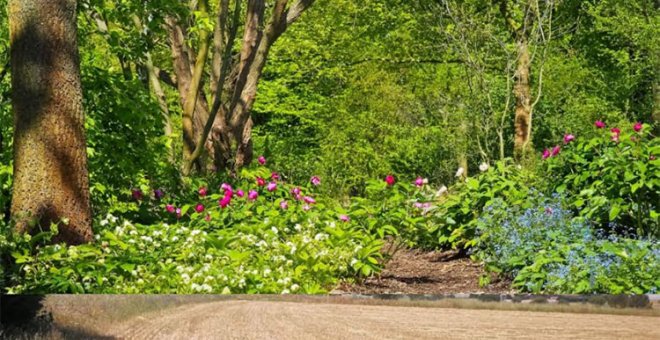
x=50 y=160
x=522 y=93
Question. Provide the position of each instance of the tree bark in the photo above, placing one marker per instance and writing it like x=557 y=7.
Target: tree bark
x=522 y=93
x=50 y=160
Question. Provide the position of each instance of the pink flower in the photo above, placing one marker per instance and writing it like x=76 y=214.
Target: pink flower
x=599 y=124
x=229 y=193
x=546 y=154
x=309 y=200
x=261 y=182
x=252 y=195
x=568 y=138
x=284 y=205
x=555 y=150
x=418 y=205
x=226 y=187
x=548 y=211
x=295 y=191
x=315 y=180
x=275 y=176
x=224 y=202
x=419 y=182
x=272 y=186
x=170 y=208
x=652 y=158
x=389 y=179
x=178 y=212
x=344 y=218
x=638 y=127
x=207 y=218
x=306 y=207
x=199 y=208
x=261 y=160
x=615 y=134
x=240 y=193
x=137 y=194
x=202 y=191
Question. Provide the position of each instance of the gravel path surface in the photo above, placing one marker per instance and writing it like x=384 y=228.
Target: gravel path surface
x=288 y=320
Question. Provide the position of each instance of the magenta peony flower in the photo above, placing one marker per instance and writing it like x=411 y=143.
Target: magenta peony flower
x=546 y=154
x=315 y=180
x=638 y=127
x=225 y=187
x=295 y=191
x=272 y=186
x=419 y=182
x=389 y=179
x=599 y=124
x=261 y=160
x=274 y=176
x=202 y=191
x=170 y=208
x=159 y=194
x=252 y=195
x=199 y=208
x=240 y=193
x=261 y=182
x=229 y=193
x=224 y=202
x=568 y=138
x=137 y=194
x=309 y=200
x=344 y=218
x=284 y=205
x=555 y=150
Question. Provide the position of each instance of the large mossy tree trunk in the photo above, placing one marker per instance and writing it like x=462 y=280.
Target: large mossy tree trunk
x=50 y=161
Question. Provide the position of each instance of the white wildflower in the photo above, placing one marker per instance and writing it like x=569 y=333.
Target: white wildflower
x=441 y=191
x=460 y=172
x=483 y=166
x=274 y=230
x=286 y=291
x=294 y=287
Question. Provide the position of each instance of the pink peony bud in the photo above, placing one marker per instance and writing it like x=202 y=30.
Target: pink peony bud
x=309 y=200
x=199 y=208
x=252 y=195
x=224 y=202
x=315 y=180
x=202 y=191
x=261 y=160
x=207 y=218
x=419 y=182
x=274 y=176
x=638 y=127
x=170 y=208
x=272 y=186
x=568 y=138
x=389 y=179
x=240 y=193
x=599 y=124
x=306 y=207
x=555 y=150
x=225 y=187
x=344 y=218
x=546 y=154
x=284 y=205
x=261 y=182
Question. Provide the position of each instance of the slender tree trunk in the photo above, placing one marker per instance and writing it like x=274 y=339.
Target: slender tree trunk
x=50 y=161
x=522 y=93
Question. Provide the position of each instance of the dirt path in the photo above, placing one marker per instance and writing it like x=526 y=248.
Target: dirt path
x=418 y=272
x=288 y=320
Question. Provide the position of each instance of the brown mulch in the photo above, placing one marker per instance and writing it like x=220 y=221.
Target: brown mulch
x=413 y=271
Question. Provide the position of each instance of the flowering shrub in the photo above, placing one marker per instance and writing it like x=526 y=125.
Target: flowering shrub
x=612 y=179
x=543 y=248
x=223 y=241
x=455 y=219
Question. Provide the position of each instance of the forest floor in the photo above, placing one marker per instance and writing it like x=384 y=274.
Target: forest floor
x=412 y=271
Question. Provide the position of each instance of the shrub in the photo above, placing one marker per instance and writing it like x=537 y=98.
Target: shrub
x=612 y=179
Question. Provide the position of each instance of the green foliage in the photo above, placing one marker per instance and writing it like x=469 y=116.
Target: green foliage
x=251 y=246
x=544 y=249
x=612 y=179
x=458 y=212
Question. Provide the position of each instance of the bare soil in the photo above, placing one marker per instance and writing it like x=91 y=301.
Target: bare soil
x=413 y=271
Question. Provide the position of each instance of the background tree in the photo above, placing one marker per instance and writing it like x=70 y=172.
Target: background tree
x=50 y=161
